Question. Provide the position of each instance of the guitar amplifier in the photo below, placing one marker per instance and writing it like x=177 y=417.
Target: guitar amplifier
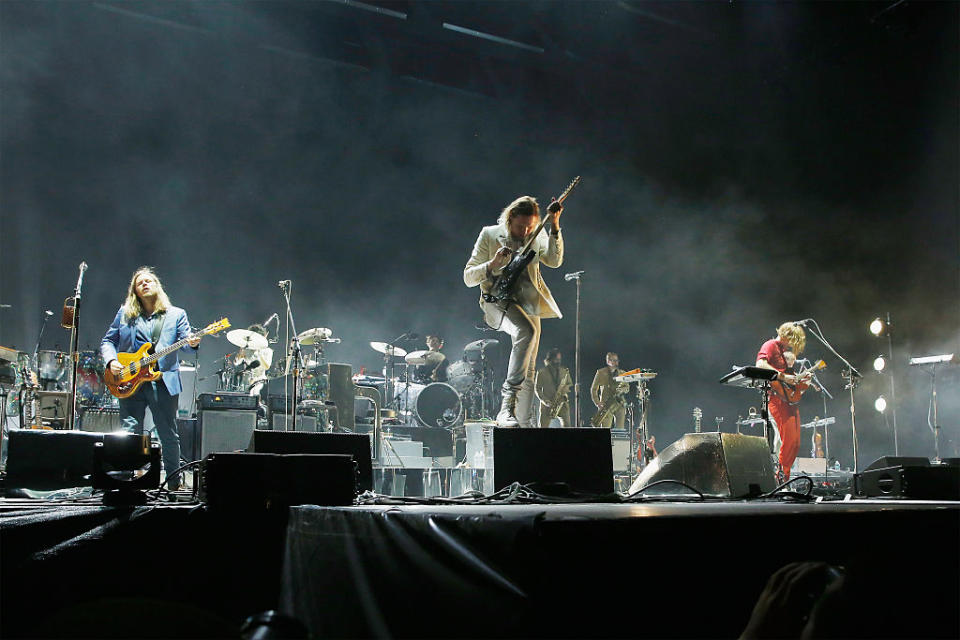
x=226 y=400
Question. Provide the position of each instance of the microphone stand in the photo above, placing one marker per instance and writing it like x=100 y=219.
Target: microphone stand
x=824 y=395
x=576 y=353
x=74 y=326
x=43 y=325
x=297 y=353
x=853 y=377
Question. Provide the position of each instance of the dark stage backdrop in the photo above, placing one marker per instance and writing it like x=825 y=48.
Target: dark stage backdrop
x=742 y=166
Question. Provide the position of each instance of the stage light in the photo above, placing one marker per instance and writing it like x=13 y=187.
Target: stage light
x=879 y=363
x=880 y=404
x=877 y=327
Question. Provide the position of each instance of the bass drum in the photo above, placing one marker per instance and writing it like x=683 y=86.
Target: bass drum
x=460 y=376
x=90 y=387
x=439 y=405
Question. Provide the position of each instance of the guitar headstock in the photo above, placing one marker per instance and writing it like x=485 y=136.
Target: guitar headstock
x=569 y=188
x=820 y=364
x=216 y=327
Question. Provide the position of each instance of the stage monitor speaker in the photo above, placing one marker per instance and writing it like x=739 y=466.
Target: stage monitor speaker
x=579 y=458
x=341 y=393
x=898 y=461
x=354 y=444
x=918 y=482
x=726 y=465
x=225 y=430
x=42 y=459
x=262 y=480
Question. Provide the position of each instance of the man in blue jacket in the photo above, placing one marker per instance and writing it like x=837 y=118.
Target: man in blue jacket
x=148 y=316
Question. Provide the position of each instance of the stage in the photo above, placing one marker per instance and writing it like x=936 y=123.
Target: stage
x=661 y=568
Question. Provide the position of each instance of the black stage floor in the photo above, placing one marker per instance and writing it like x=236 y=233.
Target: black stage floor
x=662 y=569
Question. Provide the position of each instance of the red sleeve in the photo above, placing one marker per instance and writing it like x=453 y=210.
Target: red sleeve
x=769 y=352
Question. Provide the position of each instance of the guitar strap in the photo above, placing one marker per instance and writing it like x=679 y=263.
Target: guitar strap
x=158 y=328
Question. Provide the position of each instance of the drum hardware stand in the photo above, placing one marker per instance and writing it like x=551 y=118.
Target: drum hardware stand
x=71 y=320
x=638 y=430
x=296 y=353
x=852 y=378
x=576 y=275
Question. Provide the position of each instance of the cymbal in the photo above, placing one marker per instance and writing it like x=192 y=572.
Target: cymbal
x=482 y=344
x=315 y=335
x=246 y=339
x=383 y=347
x=417 y=357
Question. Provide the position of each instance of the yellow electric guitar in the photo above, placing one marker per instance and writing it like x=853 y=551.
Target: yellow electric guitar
x=141 y=366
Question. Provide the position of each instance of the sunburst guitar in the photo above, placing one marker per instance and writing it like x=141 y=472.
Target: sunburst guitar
x=141 y=366
x=791 y=393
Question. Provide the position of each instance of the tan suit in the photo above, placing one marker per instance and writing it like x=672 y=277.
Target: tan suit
x=548 y=380
x=521 y=321
x=603 y=391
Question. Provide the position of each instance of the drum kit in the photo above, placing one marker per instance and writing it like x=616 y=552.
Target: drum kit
x=415 y=397
x=36 y=387
x=252 y=369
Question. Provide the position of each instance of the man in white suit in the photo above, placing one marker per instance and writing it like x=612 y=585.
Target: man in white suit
x=531 y=299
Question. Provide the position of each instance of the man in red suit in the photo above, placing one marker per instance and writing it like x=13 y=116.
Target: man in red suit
x=774 y=354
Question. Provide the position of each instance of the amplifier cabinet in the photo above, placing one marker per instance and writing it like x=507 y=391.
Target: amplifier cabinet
x=225 y=431
x=227 y=400
x=283 y=422
x=100 y=420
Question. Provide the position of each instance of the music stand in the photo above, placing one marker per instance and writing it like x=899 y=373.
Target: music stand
x=755 y=378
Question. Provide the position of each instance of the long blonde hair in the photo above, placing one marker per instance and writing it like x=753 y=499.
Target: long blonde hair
x=132 y=306
x=522 y=206
x=793 y=335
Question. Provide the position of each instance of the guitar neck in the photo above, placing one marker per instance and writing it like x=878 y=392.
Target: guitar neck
x=536 y=232
x=156 y=355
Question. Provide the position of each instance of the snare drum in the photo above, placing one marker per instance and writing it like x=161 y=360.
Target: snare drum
x=439 y=405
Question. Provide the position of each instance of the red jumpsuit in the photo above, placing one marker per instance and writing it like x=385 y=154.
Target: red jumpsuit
x=786 y=416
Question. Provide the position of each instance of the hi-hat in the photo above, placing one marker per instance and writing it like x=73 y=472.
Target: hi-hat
x=390 y=350
x=246 y=339
x=417 y=357
x=315 y=335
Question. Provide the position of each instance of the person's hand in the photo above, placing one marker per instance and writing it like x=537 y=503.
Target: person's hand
x=501 y=259
x=194 y=342
x=789 y=378
x=784 y=605
x=556 y=209
x=115 y=367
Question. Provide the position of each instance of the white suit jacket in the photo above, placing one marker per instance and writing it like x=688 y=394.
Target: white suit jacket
x=549 y=251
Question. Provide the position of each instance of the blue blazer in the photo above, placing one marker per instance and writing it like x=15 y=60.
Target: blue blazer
x=127 y=337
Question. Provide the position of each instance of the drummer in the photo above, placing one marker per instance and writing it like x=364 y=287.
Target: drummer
x=254 y=362
x=435 y=369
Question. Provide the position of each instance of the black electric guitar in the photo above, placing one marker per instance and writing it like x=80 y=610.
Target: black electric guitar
x=501 y=293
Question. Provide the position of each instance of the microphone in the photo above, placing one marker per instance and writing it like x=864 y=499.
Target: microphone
x=283 y=284
x=573 y=276
x=47 y=312
x=802 y=322
x=332 y=340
